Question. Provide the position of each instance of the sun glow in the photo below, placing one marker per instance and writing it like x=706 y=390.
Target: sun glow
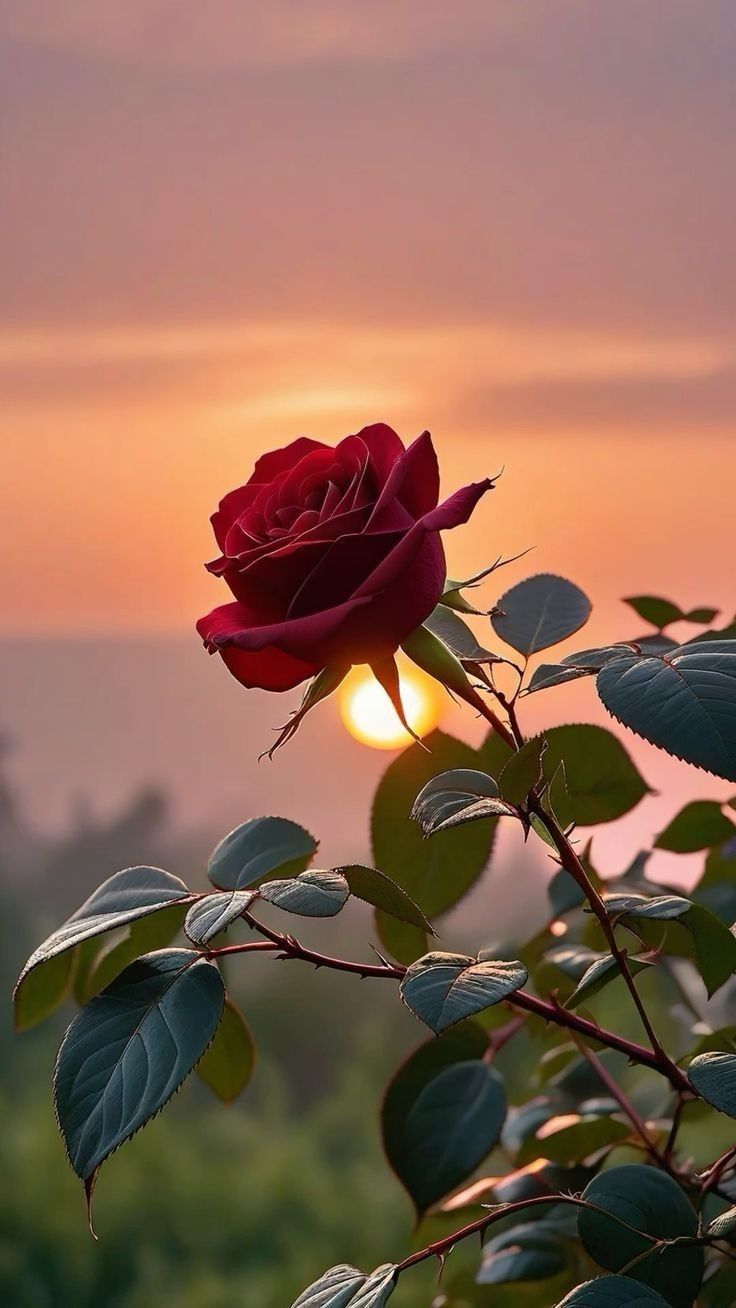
x=370 y=717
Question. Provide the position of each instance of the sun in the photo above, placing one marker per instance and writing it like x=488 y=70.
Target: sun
x=370 y=717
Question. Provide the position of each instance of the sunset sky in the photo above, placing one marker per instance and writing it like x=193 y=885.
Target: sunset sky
x=227 y=225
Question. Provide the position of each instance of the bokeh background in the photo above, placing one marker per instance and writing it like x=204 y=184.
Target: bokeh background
x=510 y=221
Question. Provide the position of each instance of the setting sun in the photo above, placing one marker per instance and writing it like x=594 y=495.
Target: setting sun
x=370 y=717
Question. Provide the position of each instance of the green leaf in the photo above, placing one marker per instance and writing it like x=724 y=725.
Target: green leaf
x=128 y=895
x=651 y=1201
x=659 y=612
x=684 y=702
x=110 y=954
x=227 y=1065
x=374 y=887
x=453 y=798
x=311 y=894
x=717 y=886
x=540 y=612
x=562 y=1141
x=601 y=781
x=699 y=825
x=714 y=1077
x=701 y=615
x=453 y=1123
x=129 y=1049
x=215 y=913
x=346 y=1287
x=42 y=989
x=599 y=974
x=583 y=664
x=257 y=849
x=612 y=1292
x=523 y=771
x=439 y=872
x=714 y=944
x=563 y=893
x=427 y=1173
x=458 y=636
x=441 y=989
x=530 y=1251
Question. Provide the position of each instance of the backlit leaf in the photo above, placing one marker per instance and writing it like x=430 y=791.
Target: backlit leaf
x=601 y=781
x=453 y=798
x=714 y=944
x=540 y=612
x=714 y=1077
x=374 y=887
x=311 y=894
x=441 y=989
x=523 y=771
x=129 y=1049
x=660 y=612
x=699 y=825
x=227 y=1065
x=215 y=913
x=260 y=848
x=684 y=702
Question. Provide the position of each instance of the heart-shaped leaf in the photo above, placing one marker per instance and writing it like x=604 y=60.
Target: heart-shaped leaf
x=215 y=913
x=123 y=898
x=651 y=1201
x=454 y=798
x=129 y=1049
x=714 y=1077
x=540 y=612
x=683 y=701
x=441 y=989
x=311 y=894
x=258 y=849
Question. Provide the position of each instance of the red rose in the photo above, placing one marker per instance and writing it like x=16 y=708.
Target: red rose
x=333 y=556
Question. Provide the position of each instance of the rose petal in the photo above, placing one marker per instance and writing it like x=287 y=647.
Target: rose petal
x=267 y=669
x=340 y=570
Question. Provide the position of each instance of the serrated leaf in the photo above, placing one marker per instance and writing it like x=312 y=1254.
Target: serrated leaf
x=346 y=1287
x=659 y=612
x=452 y=1125
x=227 y=1065
x=129 y=1049
x=401 y=940
x=462 y=1046
x=311 y=894
x=612 y=1292
x=453 y=798
x=215 y=913
x=540 y=612
x=583 y=664
x=439 y=872
x=714 y=1077
x=699 y=825
x=717 y=886
x=257 y=849
x=599 y=974
x=651 y=1201
x=375 y=888
x=714 y=944
x=111 y=953
x=722 y=1226
x=601 y=782
x=529 y=1251
x=128 y=895
x=457 y=635
x=442 y=989
x=684 y=702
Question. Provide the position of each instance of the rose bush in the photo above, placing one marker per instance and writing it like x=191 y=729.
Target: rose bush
x=333 y=556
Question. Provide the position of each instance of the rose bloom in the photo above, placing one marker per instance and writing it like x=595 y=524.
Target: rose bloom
x=333 y=556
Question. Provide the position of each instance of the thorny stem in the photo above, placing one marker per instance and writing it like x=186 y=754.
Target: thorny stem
x=445 y=1246
x=710 y=1178
x=286 y=946
x=662 y=1159
x=572 y=864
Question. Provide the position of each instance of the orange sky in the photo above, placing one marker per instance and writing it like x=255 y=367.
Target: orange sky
x=231 y=224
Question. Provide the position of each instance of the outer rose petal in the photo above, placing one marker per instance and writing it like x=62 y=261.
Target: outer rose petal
x=267 y=669
x=414 y=481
